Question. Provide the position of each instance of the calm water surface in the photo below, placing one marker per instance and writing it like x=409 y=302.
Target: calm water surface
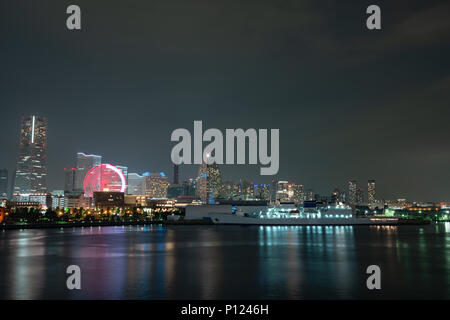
x=226 y=262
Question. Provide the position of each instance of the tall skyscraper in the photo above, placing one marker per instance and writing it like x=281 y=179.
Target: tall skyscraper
x=84 y=163
x=209 y=185
x=352 y=191
x=371 y=191
x=3 y=183
x=176 y=177
x=31 y=171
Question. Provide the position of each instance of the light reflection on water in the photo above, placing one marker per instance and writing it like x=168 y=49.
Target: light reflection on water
x=227 y=262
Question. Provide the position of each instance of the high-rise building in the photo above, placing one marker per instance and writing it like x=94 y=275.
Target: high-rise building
x=3 y=184
x=299 y=194
x=156 y=185
x=135 y=184
x=359 y=196
x=261 y=192
x=69 y=179
x=31 y=171
x=190 y=187
x=371 y=191
x=337 y=196
x=209 y=185
x=309 y=195
x=84 y=163
x=176 y=177
x=285 y=191
x=352 y=191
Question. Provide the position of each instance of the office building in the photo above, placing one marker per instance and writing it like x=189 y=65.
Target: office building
x=31 y=170
x=209 y=185
x=135 y=184
x=371 y=191
x=3 y=184
x=155 y=185
x=84 y=163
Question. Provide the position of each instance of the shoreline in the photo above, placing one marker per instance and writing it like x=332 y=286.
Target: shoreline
x=139 y=223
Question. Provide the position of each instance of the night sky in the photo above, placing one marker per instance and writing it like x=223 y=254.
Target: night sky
x=349 y=102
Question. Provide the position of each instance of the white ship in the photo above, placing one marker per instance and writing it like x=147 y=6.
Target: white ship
x=288 y=214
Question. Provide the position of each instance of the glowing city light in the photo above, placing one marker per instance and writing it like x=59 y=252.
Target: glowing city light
x=104 y=177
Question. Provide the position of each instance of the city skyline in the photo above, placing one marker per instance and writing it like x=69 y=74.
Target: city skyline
x=74 y=176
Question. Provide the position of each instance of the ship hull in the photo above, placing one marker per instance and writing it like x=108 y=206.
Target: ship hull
x=225 y=218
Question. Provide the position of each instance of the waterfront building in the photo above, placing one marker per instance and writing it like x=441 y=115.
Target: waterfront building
x=3 y=184
x=371 y=191
x=58 y=199
x=209 y=185
x=31 y=170
x=230 y=190
x=109 y=199
x=84 y=163
x=285 y=191
x=309 y=195
x=77 y=201
x=261 y=192
x=156 y=185
x=359 y=196
x=299 y=194
x=352 y=191
x=135 y=184
x=132 y=200
x=43 y=200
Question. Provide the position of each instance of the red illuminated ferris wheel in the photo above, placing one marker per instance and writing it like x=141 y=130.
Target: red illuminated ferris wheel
x=104 y=177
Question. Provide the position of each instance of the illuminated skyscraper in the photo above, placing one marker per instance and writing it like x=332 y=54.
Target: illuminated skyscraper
x=209 y=185
x=371 y=191
x=31 y=171
x=84 y=163
x=352 y=191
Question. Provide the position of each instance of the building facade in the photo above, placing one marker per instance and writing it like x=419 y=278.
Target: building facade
x=3 y=184
x=84 y=163
x=209 y=184
x=135 y=184
x=31 y=170
x=371 y=191
x=156 y=185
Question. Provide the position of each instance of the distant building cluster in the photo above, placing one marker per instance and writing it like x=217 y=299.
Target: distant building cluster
x=90 y=183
